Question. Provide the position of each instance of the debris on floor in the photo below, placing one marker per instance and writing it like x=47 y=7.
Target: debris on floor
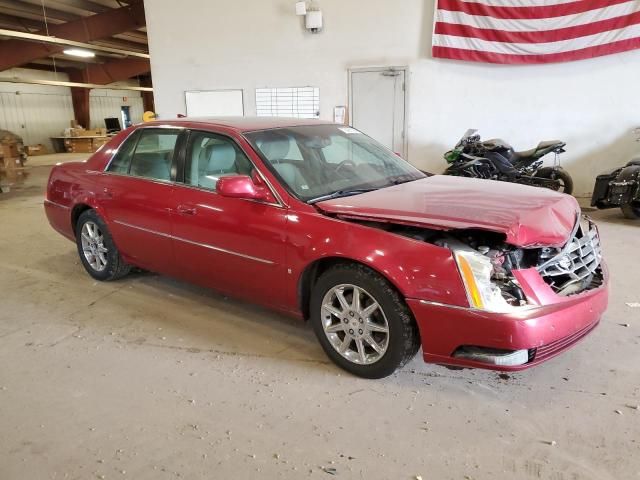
x=633 y=304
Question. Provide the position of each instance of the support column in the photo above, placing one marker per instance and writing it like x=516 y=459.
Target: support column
x=80 y=99
x=147 y=97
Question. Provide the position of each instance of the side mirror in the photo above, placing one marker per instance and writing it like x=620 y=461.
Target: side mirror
x=241 y=186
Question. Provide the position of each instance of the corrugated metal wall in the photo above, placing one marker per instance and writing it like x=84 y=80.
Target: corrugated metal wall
x=38 y=112
x=35 y=116
x=106 y=103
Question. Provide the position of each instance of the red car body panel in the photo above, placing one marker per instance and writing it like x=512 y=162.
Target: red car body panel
x=262 y=250
x=533 y=216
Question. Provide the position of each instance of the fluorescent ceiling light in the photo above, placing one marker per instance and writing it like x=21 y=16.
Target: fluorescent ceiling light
x=76 y=52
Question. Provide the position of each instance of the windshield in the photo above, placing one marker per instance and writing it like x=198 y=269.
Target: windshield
x=318 y=161
x=467 y=135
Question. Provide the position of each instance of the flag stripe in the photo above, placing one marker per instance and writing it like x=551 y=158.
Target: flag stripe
x=581 y=54
x=538 y=24
x=522 y=3
x=560 y=34
x=525 y=13
x=538 y=48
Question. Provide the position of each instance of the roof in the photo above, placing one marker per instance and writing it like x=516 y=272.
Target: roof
x=246 y=124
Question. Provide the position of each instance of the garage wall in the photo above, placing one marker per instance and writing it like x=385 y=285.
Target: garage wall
x=38 y=112
x=35 y=112
x=593 y=105
x=106 y=103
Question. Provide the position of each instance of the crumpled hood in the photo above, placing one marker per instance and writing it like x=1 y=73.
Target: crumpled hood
x=528 y=216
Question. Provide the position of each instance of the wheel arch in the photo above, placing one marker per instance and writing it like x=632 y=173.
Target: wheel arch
x=76 y=211
x=315 y=269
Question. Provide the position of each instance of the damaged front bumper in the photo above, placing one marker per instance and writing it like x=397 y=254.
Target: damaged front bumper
x=511 y=341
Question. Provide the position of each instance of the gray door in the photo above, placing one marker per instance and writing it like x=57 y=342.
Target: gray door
x=378 y=106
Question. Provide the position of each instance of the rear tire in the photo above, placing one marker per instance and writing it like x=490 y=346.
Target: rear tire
x=559 y=174
x=375 y=340
x=98 y=253
x=629 y=211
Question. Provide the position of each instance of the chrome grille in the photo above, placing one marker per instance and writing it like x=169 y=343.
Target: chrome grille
x=574 y=267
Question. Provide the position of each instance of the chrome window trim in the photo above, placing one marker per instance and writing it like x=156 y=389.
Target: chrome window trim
x=56 y=204
x=207 y=190
x=204 y=245
x=135 y=177
x=179 y=184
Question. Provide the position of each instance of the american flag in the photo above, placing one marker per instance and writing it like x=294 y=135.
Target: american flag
x=534 y=31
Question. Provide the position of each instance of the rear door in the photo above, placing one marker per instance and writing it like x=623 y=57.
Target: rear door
x=229 y=244
x=138 y=196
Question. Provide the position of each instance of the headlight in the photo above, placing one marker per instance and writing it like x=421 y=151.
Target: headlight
x=483 y=294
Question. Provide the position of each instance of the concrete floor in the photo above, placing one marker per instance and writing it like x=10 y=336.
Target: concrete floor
x=150 y=378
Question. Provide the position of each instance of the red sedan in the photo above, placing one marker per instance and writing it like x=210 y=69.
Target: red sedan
x=321 y=222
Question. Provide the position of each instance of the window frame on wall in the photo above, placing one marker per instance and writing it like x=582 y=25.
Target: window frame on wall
x=296 y=102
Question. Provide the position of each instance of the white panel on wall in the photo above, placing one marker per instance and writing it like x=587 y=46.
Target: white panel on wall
x=214 y=103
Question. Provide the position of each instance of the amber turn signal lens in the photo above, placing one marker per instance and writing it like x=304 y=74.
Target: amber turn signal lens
x=470 y=282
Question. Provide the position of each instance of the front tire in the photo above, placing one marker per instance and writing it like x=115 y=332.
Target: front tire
x=98 y=253
x=362 y=322
x=559 y=174
x=630 y=211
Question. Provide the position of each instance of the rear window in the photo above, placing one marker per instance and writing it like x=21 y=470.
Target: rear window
x=148 y=153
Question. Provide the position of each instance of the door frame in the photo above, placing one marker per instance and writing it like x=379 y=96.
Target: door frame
x=405 y=69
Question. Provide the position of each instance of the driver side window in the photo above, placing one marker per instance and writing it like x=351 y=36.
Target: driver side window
x=212 y=156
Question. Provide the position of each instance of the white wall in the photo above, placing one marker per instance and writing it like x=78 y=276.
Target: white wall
x=592 y=105
x=38 y=112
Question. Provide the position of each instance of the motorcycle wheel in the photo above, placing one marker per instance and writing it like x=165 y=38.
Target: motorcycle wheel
x=629 y=211
x=559 y=174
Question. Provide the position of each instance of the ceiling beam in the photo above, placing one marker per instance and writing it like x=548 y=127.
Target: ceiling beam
x=71 y=84
x=71 y=6
x=22 y=9
x=19 y=23
x=63 y=42
x=14 y=53
x=116 y=70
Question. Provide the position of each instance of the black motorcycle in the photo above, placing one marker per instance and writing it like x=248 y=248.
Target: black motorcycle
x=496 y=160
x=620 y=187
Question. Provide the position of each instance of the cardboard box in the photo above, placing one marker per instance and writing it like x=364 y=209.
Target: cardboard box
x=10 y=150
x=34 y=150
x=84 y=145
x=94 y=132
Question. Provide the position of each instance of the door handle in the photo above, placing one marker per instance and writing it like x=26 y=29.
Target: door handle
x=186 y=210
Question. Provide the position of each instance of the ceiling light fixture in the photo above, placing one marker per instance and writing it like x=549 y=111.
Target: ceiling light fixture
x=76 y=52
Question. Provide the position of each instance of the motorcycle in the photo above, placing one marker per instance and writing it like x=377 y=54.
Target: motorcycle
x=497 y=160
x=620 y=187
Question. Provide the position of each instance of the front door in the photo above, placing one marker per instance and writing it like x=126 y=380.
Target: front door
x=137 y=196
x=229 y=244
x=378 y=105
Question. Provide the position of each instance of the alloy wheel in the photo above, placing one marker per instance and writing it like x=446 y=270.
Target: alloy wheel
x=355 y=324
x=93 y=246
